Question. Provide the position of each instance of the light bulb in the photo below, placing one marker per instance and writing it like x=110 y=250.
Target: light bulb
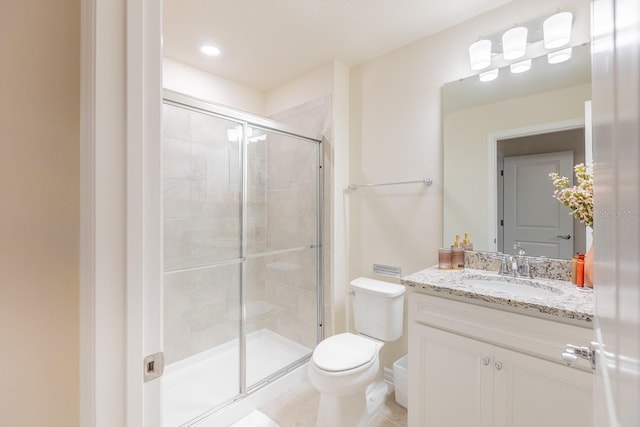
x=480 y=54
x=488 y=76
x=514 y=43
x=557 y=30
x=520 y=67
x=559 y=56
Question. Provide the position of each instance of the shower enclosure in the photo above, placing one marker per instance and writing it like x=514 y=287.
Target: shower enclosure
x=242 y=200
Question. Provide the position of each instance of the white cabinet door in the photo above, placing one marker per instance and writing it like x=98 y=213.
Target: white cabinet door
x=532 y=392
x=451 y=381
x=459 y=381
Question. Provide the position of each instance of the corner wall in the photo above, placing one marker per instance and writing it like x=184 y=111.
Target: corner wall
x=39 y=237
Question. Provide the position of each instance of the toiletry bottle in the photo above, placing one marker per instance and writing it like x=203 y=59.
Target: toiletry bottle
x=580 y=271
x=466 y=244
x=444 y=259
x=574 y=262
x=457 y=255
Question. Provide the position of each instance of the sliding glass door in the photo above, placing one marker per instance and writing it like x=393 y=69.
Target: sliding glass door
x=241 y=227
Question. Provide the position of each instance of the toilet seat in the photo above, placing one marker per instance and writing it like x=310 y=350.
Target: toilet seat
x=344 y=352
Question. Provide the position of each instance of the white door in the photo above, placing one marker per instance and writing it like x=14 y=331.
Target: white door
x=616 y=119
x=532 y=217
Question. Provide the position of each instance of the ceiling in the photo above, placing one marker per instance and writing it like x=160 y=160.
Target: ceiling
x=266 y=43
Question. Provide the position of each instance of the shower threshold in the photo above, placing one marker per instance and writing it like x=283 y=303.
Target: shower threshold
x=199 y=383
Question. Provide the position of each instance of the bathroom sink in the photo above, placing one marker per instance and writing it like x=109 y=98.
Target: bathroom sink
x=508 y=288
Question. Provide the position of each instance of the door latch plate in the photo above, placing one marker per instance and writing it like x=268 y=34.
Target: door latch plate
x=153 y=366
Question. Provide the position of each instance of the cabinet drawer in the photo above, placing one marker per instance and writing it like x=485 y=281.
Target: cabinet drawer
x=539 y=337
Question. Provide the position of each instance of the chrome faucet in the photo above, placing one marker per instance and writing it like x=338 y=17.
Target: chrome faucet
x=505 y=267
x=516 y=265
x=521 y=262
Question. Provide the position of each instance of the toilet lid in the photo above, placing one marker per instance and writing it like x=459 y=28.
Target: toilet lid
x=343 y=352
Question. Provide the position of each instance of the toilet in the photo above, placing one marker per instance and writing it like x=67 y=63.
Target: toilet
x=346 y=368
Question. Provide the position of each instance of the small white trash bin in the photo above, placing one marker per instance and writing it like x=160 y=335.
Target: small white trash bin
x=401 y=379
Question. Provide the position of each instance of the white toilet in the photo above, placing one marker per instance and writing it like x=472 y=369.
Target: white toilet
x=346 y=369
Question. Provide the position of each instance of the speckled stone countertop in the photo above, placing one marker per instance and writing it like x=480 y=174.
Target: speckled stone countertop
x=563 y=301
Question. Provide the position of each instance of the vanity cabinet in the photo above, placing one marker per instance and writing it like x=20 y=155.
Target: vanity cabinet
x=471 y=365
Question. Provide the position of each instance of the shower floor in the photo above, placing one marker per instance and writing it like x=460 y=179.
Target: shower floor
x=192 y=386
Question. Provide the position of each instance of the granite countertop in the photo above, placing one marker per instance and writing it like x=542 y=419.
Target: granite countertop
x=563 y=301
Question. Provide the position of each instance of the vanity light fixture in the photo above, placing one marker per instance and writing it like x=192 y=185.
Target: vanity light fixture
x=557 y=30
x=488 y=76
x=480 y=54
x=514 y=43
x=520 y=67
x=559 y=56
x=554 y=33
x=209 y=50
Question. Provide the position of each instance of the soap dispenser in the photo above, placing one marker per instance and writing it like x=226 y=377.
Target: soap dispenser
x=457 y=255
x=466 y=244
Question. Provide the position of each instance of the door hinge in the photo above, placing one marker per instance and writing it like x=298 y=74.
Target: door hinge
x=502 y=172
x=153 y=366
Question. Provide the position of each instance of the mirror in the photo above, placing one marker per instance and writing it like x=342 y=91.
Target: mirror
x=488 y=126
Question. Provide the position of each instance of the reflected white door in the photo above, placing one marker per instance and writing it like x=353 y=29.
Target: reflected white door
x=532 y=217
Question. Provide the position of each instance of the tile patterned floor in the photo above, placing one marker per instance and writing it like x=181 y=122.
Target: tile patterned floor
x=299 y=407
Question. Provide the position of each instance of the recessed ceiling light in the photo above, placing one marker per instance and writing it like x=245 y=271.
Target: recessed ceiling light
x=209 y=50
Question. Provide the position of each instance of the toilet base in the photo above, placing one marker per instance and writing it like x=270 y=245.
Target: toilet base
x=342 y=411
x=376 y=394
x=353 y=410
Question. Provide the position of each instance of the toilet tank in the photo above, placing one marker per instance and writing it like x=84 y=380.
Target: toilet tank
x=378 y=308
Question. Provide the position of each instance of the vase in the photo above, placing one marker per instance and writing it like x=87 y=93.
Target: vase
x=588 y=267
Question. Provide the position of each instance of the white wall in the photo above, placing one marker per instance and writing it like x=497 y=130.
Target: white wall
x=312 y=85
x=396 y=134
x=199 y=84
x=39 y=236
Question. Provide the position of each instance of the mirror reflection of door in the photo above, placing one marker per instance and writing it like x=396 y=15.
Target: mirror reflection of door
x=532 y=218
x=527 y=212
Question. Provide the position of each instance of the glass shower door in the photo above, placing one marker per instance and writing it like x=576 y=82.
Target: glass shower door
x=202 y=232
x=281 y=272
x=241 y=227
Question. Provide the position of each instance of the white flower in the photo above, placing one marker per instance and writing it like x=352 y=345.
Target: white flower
x=578 y=198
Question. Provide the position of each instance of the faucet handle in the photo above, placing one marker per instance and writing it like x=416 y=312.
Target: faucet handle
x=531 y=261
x=504 y=265
x=524 y=269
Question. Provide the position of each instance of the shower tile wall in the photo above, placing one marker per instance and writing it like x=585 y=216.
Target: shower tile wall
x=291 y=211
x=202 y=224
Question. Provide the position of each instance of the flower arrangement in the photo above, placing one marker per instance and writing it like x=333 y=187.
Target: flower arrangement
x=578 y=198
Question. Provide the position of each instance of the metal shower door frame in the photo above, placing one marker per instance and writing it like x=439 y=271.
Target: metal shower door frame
x=249 y=120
